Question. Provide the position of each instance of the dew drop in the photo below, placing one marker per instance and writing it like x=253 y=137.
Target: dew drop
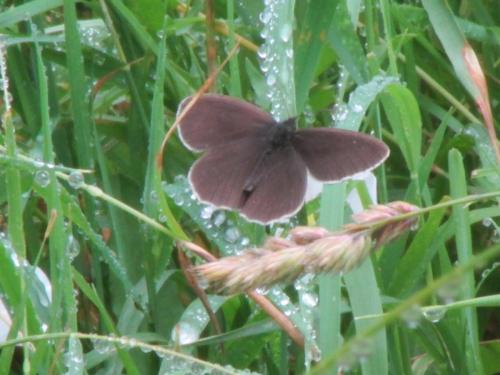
x=346 y=363
x=102 y=346
x=262 y=53
x=412 y=316
x=434 y=314
x=72 y=248
x=245 y=241
x=219 y=219
x=232 y=234
x=42 y=178
x=449 y=291
x=202 y=282
x=358 y=108
x=75 y=179
x=153 y=196
x=265 y=17
x=178 y=200
x=339 y=112
x=414 y=227
x=271 y=79
x=362 y=349
x=286 y=32
x=487 y=222
x=73 y=357
x=309 y=299
x=184 y=333
x=122 y=342
x=170 y=190
x=262 y=290
x=206 y=212
x=284 y=301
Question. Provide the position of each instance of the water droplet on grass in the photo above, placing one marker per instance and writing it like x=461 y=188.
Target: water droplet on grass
x=434 y=314
x=206 y=212
x=75 y=179
x=232 y=234
x=286 y=32
x=42 y=178
x=219 y=219
x=412 y=316
x=184 y=333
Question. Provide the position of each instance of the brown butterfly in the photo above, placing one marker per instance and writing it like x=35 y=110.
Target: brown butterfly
x=260 y=167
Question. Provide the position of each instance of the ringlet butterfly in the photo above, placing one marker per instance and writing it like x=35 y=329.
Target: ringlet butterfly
x=258 y=166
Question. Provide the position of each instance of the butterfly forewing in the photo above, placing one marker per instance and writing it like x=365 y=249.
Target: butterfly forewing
x=335 y=154
x=280 y=189
x=215 y=119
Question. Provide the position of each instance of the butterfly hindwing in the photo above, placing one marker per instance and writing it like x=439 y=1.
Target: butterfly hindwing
x=219 y=176
x=216 y=119
x=278 y=185
x=335 y=154
x=280 y=190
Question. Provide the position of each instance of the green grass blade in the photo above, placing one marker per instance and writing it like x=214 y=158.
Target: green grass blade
x=144 y=38
x=346 y=44
x=364 y=296
x=278 y=54
x=360 y=100
x=452 y=39
x=14 y=193
x=155 y=204
x=331 y=217
x=385 y=9
x=58 y=239
x=16 y=233
x=458 y=188
x=412 y=266
x=309 y=44
x=25 y=102
x=29 y=9
x=79 y=90
x=404 y=116
x=234 y=68
x=92 y=295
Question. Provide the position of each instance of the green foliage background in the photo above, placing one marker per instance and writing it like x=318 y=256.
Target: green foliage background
x=94 y=86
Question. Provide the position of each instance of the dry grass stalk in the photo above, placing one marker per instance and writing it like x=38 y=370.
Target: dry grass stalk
x=309 y=250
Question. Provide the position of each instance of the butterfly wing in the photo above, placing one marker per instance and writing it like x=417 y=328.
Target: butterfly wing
x=278 y=179
x=280 y=189
x=336 y=154
x=219 y=176
x=216 y=119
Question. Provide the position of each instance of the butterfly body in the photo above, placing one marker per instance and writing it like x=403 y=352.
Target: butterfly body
x=280 y=134
x=259 y=166
x=277 y=137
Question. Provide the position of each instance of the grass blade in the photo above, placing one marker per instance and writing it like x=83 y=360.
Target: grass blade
x=309 y=44
x=464 y=249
